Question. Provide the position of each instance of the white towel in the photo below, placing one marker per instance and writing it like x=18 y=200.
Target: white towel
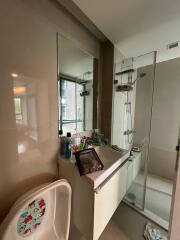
x=152 y=233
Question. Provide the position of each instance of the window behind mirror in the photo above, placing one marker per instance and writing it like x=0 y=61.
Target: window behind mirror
x=72 y=106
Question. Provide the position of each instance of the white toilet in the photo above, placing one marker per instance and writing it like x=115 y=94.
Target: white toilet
x=40 y=214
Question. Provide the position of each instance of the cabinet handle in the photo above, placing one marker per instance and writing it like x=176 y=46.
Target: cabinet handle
x=97 y=190
x=177 y=158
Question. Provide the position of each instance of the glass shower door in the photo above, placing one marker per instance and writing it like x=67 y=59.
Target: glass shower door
x=133 y=99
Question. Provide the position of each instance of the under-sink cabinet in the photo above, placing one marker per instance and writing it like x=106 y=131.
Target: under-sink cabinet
x=96 y=196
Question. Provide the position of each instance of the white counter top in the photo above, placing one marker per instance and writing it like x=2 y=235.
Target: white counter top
x=111 y=160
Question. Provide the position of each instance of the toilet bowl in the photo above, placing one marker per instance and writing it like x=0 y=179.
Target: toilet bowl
x=40 y=214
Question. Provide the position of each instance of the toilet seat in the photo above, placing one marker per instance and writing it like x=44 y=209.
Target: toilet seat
x=40 y=214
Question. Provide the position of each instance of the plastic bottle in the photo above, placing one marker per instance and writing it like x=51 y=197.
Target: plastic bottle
x=82 y=144
x=62 y=142
x=68 y=143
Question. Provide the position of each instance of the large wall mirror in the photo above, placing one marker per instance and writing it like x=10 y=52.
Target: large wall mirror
x=77 y=87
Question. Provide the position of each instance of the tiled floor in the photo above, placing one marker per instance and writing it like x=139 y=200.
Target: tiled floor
x=126 y=224
x=112 y=231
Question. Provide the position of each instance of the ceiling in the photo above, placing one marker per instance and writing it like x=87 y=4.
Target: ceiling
x=135 y=26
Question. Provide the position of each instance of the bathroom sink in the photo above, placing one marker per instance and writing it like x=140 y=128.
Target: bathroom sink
x=111 y=159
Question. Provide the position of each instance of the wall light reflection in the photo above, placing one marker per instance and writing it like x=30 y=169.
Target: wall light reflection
x=22 y=147
x=14 y=75
x=19 y=90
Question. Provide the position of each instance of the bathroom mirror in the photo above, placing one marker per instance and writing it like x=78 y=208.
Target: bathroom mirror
x=76 y=88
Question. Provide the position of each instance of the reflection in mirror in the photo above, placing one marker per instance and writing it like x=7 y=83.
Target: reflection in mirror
x=75 y=87
x=25 y=112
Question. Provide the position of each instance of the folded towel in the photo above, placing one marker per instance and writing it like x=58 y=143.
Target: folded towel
x=153 y=233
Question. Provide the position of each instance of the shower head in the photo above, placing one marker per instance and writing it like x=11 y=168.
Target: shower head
x=140 y=75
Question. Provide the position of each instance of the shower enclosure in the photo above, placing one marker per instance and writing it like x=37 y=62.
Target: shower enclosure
x=146 y=119
x=133 y=104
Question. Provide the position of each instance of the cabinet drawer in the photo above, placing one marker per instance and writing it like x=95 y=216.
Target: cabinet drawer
x=107 y=199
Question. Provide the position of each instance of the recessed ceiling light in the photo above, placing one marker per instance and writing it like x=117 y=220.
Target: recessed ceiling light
x=14 y=75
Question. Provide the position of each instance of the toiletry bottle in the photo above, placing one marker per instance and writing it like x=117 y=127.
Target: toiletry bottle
x=68 y=145
x=62 y=142
x=82 y=143
x=74 y=144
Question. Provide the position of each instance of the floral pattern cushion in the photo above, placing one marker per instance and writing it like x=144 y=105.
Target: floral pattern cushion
x=31 y=218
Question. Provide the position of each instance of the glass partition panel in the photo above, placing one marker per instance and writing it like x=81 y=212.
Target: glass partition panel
x=133 y=98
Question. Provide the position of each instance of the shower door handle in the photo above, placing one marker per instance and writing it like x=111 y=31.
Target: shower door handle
x=177 y=158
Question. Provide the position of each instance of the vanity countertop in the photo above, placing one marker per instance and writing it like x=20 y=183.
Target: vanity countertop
x=111 y=159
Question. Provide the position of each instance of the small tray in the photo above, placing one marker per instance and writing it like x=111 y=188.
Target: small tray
x=88 y=161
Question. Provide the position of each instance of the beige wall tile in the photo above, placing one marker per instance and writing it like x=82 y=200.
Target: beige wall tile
x=28 y=147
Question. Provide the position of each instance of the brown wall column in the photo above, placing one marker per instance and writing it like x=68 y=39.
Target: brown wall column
x=107 y=87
